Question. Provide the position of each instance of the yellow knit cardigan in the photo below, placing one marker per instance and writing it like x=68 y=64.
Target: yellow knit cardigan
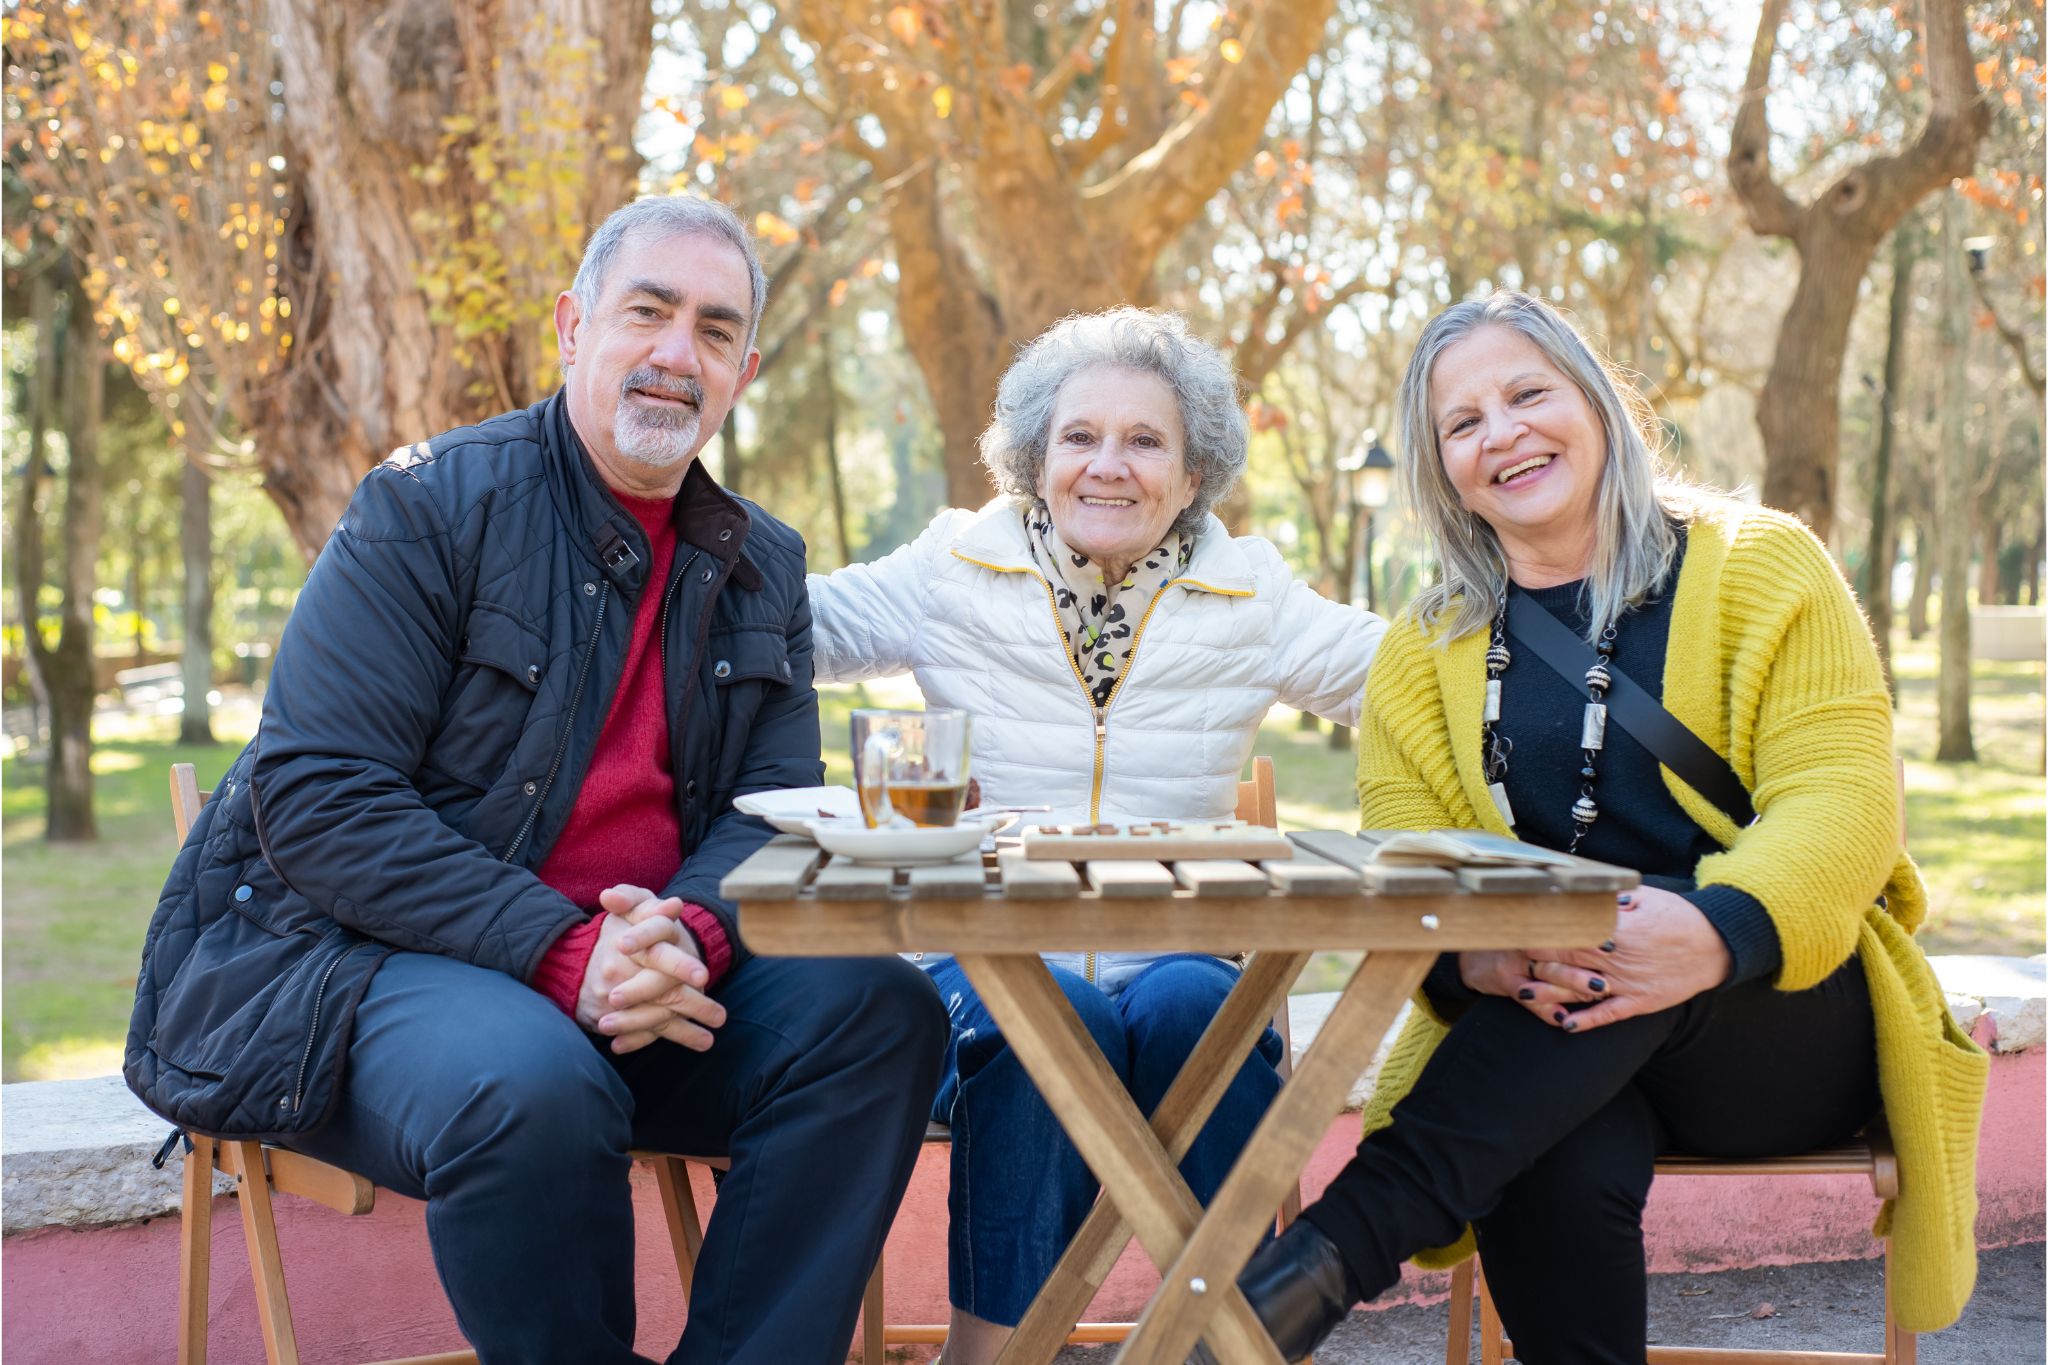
x=1770 y=662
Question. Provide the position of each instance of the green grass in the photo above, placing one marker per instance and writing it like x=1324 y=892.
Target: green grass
x=75 y=914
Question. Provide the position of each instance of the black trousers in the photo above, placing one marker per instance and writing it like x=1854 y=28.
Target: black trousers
x=475 y=1093
x=1544 y=1140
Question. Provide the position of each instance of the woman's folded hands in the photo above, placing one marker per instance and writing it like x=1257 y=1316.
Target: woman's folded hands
x=1663 y=953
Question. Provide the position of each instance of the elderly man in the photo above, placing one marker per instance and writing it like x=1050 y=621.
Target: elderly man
x=452 y=919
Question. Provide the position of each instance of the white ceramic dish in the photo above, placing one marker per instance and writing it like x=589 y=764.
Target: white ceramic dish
x=903 y=847
x=794 y=809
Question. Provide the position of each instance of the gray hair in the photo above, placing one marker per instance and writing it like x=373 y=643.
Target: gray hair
x=669 y=215
x=1203 y=382
x=1637 y=501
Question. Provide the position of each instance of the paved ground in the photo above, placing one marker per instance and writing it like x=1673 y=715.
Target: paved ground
x=1831 y=1307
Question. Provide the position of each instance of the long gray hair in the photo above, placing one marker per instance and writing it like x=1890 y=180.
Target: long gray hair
x=1204 y=387
x=1637 y=501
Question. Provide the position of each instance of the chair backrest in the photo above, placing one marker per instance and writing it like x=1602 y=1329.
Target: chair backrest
x=186 y=798
x=1257 y=799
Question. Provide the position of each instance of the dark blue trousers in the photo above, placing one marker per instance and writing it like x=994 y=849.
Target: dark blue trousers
x=1020 y=1189
x=469 y=1090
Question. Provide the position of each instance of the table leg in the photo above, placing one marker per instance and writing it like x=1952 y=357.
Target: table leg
x=1176 y=1123
x=1099 y=1116
x=1279 y=1148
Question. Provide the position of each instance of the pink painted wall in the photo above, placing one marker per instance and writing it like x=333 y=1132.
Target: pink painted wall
x=110 y=1294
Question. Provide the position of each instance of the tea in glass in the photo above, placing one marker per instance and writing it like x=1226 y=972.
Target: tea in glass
x=912 y=764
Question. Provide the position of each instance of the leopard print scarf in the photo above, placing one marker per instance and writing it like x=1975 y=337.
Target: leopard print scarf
x=1101 y=620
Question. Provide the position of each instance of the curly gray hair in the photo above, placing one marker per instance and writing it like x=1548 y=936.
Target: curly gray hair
x=1201 y=377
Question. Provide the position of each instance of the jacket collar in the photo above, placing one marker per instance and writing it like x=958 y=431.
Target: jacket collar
x=996 y=539
x=707 y=518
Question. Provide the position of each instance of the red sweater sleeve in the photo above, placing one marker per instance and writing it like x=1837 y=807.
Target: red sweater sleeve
x=560 y=974
x=711 y=941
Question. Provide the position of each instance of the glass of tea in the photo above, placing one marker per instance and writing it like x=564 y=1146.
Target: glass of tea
x=911 y=763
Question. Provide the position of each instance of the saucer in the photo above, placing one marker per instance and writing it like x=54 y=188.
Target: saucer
x=793 y=809
x=903 y=847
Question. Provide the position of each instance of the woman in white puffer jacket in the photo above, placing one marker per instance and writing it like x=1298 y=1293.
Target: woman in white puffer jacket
x=1117 y=649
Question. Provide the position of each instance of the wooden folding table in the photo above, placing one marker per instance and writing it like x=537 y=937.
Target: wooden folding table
x=997 y=915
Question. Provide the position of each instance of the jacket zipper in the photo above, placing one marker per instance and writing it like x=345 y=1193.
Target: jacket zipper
x=668 y=599
x=1100 y=713
x=568 y=726
x=313 y=1027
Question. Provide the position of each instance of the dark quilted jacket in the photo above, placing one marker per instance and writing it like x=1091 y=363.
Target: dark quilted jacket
x=436 y=698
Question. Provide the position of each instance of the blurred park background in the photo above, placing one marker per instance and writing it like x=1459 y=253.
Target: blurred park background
x=250 y=248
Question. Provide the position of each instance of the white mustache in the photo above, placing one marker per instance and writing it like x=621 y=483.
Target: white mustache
x=661 y=382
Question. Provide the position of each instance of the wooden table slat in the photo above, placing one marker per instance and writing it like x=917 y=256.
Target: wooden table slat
x=960 y=879
x=843 y=879
x=1024 y=879
x=1500 y=881
x=776 y=871
x=1128 y=877
x=1587 y=875
x=1311 y=874
x=1220 y=877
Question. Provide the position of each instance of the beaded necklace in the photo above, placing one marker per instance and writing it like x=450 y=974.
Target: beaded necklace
x=1496 y=747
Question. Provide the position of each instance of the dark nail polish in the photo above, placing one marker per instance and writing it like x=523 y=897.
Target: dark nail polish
x=1571 y=1025
x=1597 y=984
x=1557 y=1017
x=1608 y=946
x=1525 y=994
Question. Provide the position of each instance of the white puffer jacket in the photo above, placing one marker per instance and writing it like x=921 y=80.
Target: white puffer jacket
x=964 y=609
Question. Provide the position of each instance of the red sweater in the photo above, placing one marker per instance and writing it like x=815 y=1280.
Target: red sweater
x=624 y=826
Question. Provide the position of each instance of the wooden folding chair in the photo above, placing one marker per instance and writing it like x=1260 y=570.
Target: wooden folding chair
x=261 y=1171
x=1871 y=1156
x=1257 y=803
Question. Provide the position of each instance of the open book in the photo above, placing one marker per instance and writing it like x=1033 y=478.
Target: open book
x=1460 y=848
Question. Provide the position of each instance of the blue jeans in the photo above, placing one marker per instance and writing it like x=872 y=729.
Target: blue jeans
x=472 y=1091
x=1020 y=1191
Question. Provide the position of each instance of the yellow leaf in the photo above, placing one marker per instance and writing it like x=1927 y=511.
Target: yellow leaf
x=1265 y=166
x=1232 y=50
x=871 y=267
x=216 y=72
x=1180 y=70
x=942 y=101
x=171 y=307
x=731 y=98
x=216 y=98
x=458 y=125
x=904 y=23
x=838 y=294
x=774 y=230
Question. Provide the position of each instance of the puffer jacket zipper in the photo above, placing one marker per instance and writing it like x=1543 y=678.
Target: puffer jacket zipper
x=313 y=1025
x=568 y=727
x=1099 y=713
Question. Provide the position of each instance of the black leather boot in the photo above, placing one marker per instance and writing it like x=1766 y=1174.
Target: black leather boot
x=1299 y=1287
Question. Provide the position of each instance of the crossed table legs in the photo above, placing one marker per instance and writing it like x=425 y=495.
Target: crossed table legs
x=1199 y=1253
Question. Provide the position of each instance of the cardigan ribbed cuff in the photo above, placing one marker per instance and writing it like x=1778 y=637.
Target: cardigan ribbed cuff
x=1745 y=926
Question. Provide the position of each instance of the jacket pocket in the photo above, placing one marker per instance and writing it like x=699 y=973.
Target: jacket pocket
x=741 y=656
x=225 y=991
x=500 y=666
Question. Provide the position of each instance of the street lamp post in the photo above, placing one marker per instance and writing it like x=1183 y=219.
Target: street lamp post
x=1372 y=487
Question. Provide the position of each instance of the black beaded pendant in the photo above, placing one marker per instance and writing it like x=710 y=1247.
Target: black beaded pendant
x=1592 y=738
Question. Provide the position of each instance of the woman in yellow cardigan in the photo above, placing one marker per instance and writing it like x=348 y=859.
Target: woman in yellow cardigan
x=1757 y=997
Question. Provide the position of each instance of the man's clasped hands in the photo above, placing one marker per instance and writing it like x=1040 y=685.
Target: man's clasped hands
x=645 y=979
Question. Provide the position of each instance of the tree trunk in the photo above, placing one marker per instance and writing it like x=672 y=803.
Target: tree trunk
x=1958 y=483
x=1881 y=550
x=369 y=86
x=1926 y=548
x=831 y=375
x=68 y=667
x=1799 y=410
x=195 y=550
x=29 y=565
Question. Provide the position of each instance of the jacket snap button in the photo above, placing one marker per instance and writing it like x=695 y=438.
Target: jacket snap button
x=531 y=788
x=725 y=535
x=721 y=669
x=533 y=673
x=785 y=672
x=244 y=891
x=706 y=578
x=590 y=589
x=690 y=789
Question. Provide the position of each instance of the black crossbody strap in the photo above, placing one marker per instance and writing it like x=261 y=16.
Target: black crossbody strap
x=1630 y=707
